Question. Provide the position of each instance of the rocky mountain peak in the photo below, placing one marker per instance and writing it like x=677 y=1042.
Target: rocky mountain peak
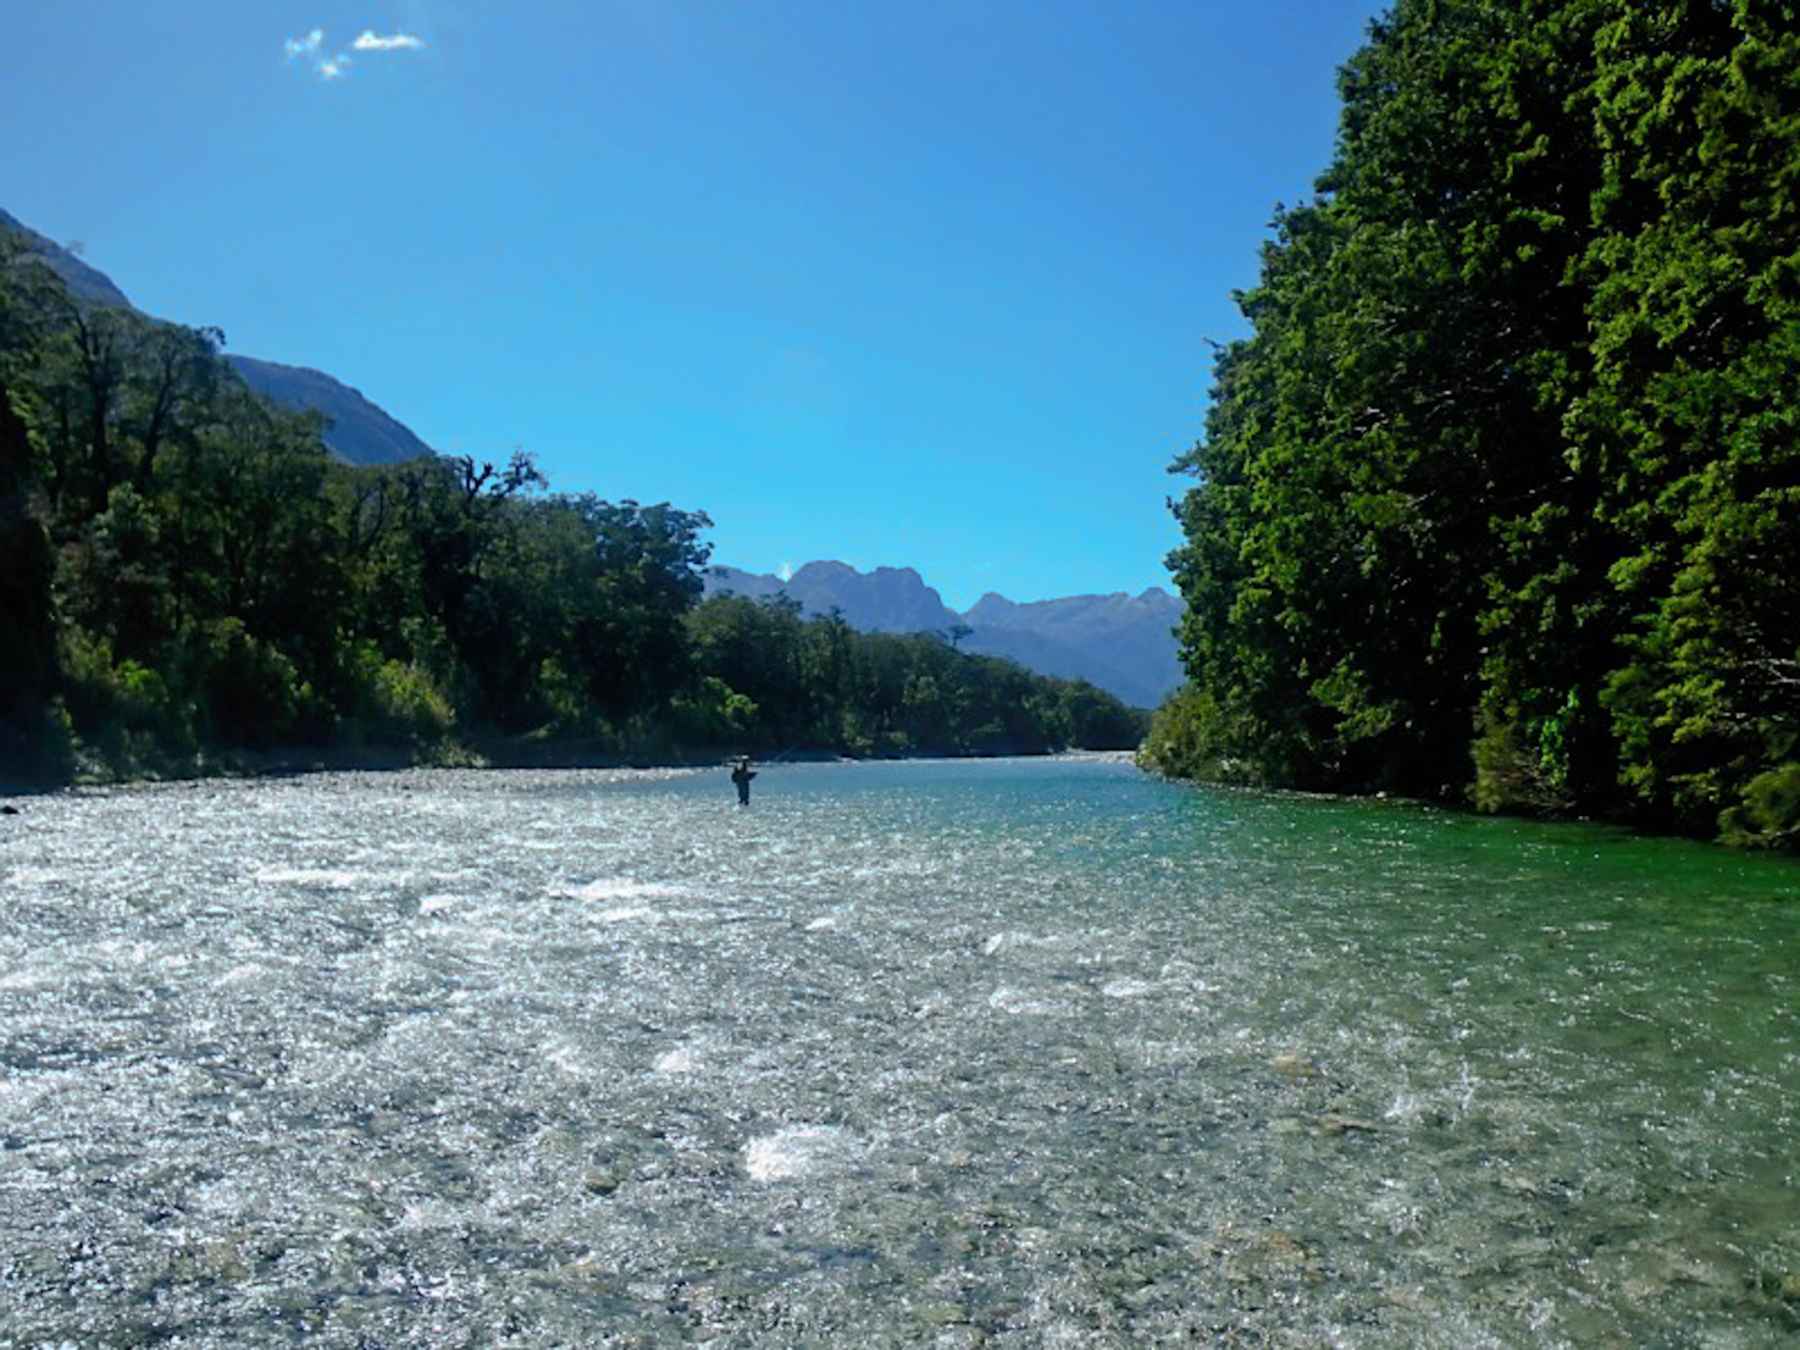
x=1121 y=643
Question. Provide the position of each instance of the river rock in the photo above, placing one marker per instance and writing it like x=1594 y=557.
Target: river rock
x=601 y=1180
x=1336 y=1124
x=216 y=1260
x=223 y=1261
x=1294 y=1066
x=1269 y=1257
x=941 y=1313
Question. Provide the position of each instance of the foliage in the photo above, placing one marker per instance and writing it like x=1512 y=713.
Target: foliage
x=392 y=704
x=185 y=576
x=125 y=714
x=1191 y=737
x=1502 y=496
x=27 y=612
x=817 y=684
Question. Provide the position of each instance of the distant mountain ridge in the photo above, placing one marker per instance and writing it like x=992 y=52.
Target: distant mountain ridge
x=84 y=282
x=357 y=431
x=886 y=600
x=1125 y=644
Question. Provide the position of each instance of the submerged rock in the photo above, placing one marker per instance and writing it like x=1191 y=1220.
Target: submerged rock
x=601 y=1180
x=1335 y=1124
x=1272 y=1256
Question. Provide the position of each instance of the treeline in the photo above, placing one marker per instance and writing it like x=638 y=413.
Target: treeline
x=187 y=578
x=770 y=679
x=1502 y=497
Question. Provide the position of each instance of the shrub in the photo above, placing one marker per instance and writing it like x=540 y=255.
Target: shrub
x=1517 y=772
x=393 y=703
x=1768 y=816
x=253 y=693
x=128 y=714
x=715 y=714
x=1188 y=738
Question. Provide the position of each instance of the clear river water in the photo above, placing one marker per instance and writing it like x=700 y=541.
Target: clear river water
x=1010 y=1053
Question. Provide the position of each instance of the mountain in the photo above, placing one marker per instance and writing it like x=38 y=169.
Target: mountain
x=356 y=430
x=887 y=600
x=1122 y=643
x=85 y=283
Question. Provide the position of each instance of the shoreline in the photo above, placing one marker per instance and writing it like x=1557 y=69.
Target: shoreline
x=243 y=766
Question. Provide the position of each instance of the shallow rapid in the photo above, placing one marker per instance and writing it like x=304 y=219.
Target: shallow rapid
x=1002 y=1052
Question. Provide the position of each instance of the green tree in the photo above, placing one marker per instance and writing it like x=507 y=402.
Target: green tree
x=1695 y=417
x=627 y=629
x=1503 y=483
x=27 y=616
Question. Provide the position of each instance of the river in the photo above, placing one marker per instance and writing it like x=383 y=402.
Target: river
x=1013 y=1052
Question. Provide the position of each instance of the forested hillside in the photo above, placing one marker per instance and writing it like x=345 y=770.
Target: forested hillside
x=188 y=578
x=1502 y=497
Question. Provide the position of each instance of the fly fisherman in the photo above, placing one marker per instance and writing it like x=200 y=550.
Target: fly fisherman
x=741 y=775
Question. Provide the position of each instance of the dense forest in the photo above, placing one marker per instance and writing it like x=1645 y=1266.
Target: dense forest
x=1501 y=499
x=189 y=583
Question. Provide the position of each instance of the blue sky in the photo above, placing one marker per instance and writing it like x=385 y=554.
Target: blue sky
x=924 y=284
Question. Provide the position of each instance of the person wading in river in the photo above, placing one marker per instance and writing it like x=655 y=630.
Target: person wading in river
x=741 y=775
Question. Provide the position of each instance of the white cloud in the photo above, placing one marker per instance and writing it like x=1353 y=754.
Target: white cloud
x=370 y=41
x=311 y=48
x=305 y=46
x=785 y=571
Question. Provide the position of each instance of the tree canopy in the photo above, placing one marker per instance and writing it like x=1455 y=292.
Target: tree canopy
x=1502 y=496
